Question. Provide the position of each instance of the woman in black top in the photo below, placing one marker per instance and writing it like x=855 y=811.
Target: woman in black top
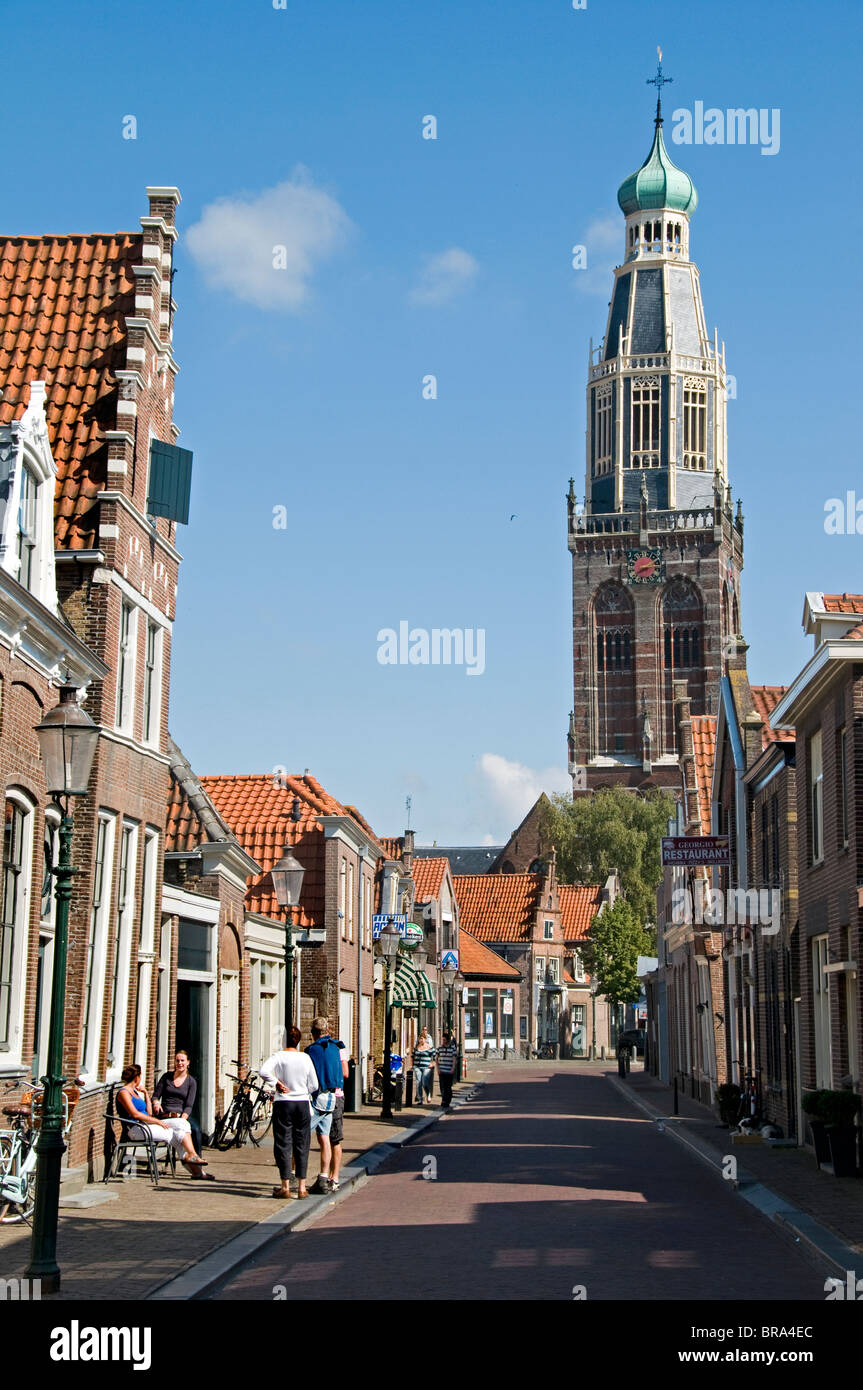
x=174 y=1095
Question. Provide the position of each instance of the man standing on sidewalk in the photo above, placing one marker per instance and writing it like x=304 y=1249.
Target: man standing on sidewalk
x=327 y=1054
x=447 y=1059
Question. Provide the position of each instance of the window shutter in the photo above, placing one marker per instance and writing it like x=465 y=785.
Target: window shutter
x=170 y=481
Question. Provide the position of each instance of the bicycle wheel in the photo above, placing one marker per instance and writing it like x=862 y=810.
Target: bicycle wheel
x=262 y=1118
x=13 y=1212
x=227 y=1131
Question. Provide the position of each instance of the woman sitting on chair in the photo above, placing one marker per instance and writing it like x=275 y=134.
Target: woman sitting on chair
x=134 y=1103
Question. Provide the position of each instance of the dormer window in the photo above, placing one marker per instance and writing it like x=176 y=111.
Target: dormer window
x=28 y=530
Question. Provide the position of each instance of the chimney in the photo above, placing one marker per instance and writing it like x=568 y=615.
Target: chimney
x=408 y=851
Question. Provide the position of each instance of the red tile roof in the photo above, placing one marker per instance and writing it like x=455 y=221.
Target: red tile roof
x=63 y=306
x=579 y=904
x=766 y=699
x=428 y=876
x=497 y=907
x=478 y=962
x=843 y=603
x=258 y=808
x=704 y=746
x=392 y=846
x=855 y=633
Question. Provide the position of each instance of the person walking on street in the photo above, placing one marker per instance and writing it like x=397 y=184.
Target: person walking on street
x=447 y=1061
x=296 y=1082
x=326 y=1056
x=424 y=1055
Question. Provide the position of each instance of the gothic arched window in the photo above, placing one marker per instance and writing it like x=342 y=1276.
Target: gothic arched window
x=682 y=618
x=614 y=647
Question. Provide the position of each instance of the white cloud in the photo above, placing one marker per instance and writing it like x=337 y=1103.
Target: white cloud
x=444 y=276
x=603 y=243
x=265 y=248
x=513 y=788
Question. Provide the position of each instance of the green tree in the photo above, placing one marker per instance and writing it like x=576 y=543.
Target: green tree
x=612 y=829
x=611 y=952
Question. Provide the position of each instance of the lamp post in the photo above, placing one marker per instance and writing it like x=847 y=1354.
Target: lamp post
x=67 y=744
x=287 y=875
x=388 y=949
x=448 y=974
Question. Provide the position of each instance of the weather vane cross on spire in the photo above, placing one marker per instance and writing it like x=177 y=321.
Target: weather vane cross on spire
x=659 y=82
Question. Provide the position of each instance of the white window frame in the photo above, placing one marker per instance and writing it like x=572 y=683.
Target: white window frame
x=124 y=920
x=539 y=969
x=603 y=452
x=645 y=424
x=351 y=903
x=151 y=706
x=816 y=797
x=47 y=922
x=97 y=952
x=10 y=1055
x=127 y=651
x=695 y=427
x=548 y=930
x=821 y=1017
x=343 y=888
x=146 y=944
x=29 y=537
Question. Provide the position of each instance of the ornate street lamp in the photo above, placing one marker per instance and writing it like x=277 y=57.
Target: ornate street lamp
x=287 y=875
x=448 y=974
x=67 y=744
x=388 y=949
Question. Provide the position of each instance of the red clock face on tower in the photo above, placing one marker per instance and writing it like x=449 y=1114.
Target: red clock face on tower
x=644 y=566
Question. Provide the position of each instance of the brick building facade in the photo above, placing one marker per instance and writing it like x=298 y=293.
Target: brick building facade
x=91 y=317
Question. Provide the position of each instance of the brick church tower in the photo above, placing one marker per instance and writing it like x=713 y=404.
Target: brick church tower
x=656 y=551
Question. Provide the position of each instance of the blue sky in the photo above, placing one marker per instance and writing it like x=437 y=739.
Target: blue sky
x=407 y=257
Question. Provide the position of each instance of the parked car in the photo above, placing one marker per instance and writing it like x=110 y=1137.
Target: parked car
x=635 y=1036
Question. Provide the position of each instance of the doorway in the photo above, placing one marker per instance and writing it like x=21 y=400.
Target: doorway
x=193 y=1034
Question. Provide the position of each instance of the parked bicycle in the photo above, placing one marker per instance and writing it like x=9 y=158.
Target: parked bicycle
x=249 y=1115
x=750 y=1105
x=545 y=1051
x=18 y=1157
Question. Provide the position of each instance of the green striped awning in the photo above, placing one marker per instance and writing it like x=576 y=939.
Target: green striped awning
x=412 y=987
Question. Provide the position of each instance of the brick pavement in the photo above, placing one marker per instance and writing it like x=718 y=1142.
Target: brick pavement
x=128 y=1247
x=836 y=1203
x=548 y=1181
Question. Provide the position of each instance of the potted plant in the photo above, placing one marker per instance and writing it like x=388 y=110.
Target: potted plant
x=812 y=1103
x=728 y=1100
x=838 y=1109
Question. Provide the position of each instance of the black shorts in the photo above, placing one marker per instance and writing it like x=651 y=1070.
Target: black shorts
x=337 y=1128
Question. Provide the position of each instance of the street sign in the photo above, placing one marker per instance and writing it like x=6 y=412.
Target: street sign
x=449 y=960
x=413 y=935
x=691 y=850
x=507 y=1006
x=380 y=919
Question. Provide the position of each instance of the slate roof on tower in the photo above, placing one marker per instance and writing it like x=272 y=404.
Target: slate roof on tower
x=63 y=307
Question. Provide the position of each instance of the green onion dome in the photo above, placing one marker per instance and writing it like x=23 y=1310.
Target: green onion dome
x=658 y=183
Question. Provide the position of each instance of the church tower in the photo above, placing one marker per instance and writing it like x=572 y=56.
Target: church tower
x=657 y=550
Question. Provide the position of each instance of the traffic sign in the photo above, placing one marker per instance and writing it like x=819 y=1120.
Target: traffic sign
x=449 y=960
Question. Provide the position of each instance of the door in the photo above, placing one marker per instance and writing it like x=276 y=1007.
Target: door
x=193 y=1034
x=229 y=1035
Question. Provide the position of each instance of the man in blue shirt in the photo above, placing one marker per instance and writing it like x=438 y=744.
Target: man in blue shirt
x=327 y=1055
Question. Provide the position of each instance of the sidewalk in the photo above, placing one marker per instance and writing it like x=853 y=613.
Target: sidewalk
x=835 y=1203
x=126 y=1247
